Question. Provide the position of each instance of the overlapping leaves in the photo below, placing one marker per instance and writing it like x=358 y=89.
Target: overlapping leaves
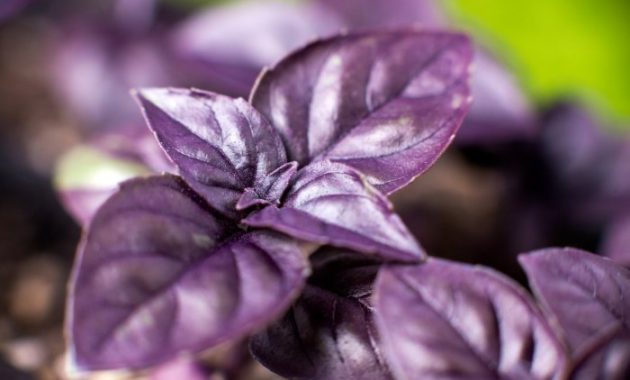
x=175 y=264
x=443 y=320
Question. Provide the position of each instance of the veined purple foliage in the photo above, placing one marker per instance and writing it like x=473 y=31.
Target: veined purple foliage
x=374 y=104
x=586 y=296
x=501 y=111
x=155 y=248
x=178 y=264
x=220 y=144
x=273 y=226
x=444 y=320
x=573 y=283
x=329 y=332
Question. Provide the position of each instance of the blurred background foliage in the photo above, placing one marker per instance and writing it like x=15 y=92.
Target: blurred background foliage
x=560 y=47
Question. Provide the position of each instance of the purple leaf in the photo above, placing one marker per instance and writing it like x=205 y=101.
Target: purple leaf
x=500 y=111
x=159 y=274
x=588 y=164
x=331 y=203
x=329 y=331
x=584 y=292
x=445 y=320
x=617 y=242
x=234 y=41
x=372 y=14
x=96 y=55
x=386 y=103
x=221 y=145
x=607 y=357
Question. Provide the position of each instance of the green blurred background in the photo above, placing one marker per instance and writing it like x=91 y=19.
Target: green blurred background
x=560 y=47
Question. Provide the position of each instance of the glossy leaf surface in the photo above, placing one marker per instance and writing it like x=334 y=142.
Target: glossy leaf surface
x=331 y=203
x=329 y=332
x=584 y=292
x=443 y=320
x=386 y=103
x=159 y=273
x=221 y=145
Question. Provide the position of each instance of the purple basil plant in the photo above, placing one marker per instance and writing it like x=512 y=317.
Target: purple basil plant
x=225 y=47
x=277 y=227
x=274 y=226
x=181 y=263
x=448 y=320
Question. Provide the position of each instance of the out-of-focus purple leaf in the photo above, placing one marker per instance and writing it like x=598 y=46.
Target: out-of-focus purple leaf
x=9 y=8
x=93 y=70
x=372 y=14
x=616 y=188
x=584 y=292
x=221 y=145
x=606 y=358
x=180 y=368
x=88 y=174
x=575 y=145
x=233 y=42
x=588 y=163
x=445 y=320
x=134 y=144
x=386 y=103
x=160 y=273
x=82 y=204
x=500 y=111
x=329 y=331
x=331 y=203
x=617 y=242
x=134 y=15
